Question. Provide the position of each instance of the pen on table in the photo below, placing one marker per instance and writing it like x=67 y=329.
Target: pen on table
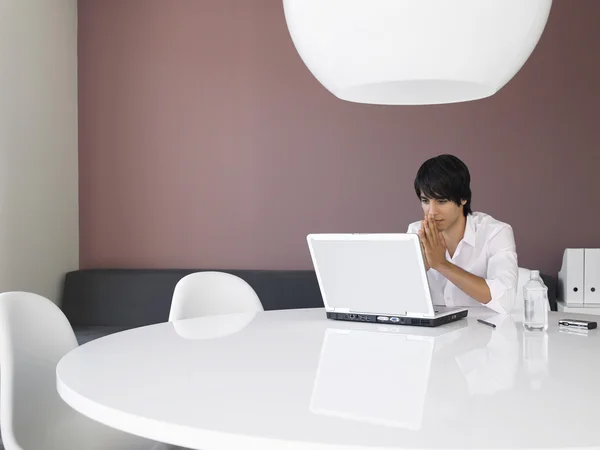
x=489 y=324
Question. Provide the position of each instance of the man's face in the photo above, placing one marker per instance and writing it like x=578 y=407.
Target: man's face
x=444 y=212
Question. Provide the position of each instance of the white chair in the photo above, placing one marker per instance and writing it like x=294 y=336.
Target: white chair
x=210 y=293
x=34 y=335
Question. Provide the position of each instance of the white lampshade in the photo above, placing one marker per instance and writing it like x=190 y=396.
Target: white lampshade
x=412 y=52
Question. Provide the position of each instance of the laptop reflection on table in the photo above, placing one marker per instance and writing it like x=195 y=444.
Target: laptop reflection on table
x=377 y=377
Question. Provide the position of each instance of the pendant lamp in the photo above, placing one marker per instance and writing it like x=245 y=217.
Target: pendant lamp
x=415 y=52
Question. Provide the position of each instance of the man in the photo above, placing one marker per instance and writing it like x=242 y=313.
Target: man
x=471 y=258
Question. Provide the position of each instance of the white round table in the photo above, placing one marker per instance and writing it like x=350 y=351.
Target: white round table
x=292 y=379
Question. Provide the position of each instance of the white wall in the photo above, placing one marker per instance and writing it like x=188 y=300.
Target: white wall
x=39 y=229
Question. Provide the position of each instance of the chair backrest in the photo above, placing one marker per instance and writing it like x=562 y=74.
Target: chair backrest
x=210 y=293
x=34 y=335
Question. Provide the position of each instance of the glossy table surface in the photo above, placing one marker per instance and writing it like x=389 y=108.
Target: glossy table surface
x=296 y=380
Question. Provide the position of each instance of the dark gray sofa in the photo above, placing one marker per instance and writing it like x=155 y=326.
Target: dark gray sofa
x=102 y=301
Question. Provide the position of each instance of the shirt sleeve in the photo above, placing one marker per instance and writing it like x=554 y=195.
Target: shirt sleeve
x=502 y=271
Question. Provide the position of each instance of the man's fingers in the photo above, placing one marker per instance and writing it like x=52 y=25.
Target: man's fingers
x=423 y=238
x=442 y=240
x=423 y=241
x=432 y=232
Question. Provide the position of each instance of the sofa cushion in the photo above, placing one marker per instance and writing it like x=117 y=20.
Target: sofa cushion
x=137 y=297
x=89 y=333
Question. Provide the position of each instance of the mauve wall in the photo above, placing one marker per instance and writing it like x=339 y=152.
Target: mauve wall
x=205 y=141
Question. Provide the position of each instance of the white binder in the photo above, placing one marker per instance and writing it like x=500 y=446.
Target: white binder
x=579 y=277
x=570 y=277
x=591 y=276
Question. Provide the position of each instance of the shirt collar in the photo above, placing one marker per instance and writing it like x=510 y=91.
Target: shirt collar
x=469 y=236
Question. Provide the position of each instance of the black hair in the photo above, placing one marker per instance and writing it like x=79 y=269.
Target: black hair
x=445 y=177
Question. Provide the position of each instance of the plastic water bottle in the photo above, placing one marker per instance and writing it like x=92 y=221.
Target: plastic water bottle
x=535 y=311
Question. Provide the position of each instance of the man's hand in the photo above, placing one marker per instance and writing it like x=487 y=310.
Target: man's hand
x=427 y=266
x=433 y=244
x=434 y=247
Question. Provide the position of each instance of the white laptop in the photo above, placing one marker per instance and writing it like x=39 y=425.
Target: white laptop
x=378 y=278
x=388 y=387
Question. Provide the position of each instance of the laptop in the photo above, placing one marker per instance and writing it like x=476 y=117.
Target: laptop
x=388 y=387
x=378 y=278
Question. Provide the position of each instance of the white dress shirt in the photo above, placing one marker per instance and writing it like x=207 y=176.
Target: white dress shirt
x=487 y=250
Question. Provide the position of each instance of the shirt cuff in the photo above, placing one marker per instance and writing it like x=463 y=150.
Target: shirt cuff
x=497 y=290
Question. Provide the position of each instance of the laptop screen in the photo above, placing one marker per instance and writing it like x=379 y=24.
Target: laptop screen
x=377 y=273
